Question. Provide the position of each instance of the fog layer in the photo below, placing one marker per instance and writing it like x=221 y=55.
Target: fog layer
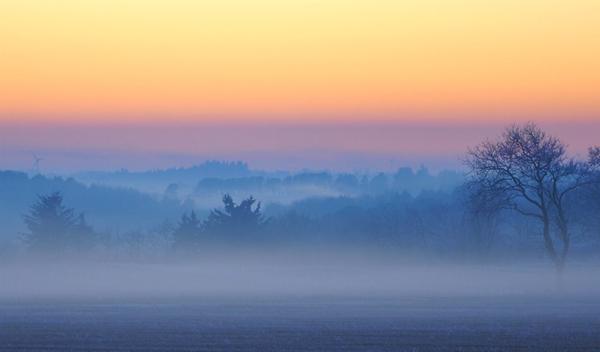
x=299 y=274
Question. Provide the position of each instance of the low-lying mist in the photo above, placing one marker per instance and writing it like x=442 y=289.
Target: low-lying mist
x=286 y=273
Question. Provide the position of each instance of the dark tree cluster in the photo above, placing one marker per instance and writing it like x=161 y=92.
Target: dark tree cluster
x=405 y=179
x=235 y=222
x=52 y=227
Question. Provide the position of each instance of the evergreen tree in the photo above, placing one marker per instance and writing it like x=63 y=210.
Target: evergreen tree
x=54 y=227
x=236 y=219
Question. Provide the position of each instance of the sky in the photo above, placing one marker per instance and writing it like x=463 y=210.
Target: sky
x=145 y=63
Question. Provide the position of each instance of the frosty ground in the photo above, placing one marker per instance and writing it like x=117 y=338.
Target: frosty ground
x=304 y=324
x=343 y=303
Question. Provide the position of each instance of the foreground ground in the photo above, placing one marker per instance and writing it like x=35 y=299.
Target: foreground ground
x=303 y=324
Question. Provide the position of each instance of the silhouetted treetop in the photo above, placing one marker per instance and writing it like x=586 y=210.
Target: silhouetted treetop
x=236 y=219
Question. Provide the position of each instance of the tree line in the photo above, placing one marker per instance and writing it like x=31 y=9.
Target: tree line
x=522 y=188
x=52 y=227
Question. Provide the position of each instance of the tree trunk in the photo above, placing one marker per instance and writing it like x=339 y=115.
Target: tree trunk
x=549 y=244
x=559 y=260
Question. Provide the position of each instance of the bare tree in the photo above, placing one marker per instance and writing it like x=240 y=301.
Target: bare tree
x=530 y=172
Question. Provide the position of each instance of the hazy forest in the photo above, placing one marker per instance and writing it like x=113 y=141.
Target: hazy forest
x=519 y=196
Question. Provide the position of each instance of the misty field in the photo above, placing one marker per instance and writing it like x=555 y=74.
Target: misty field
x=289 y=302
x=328 y=324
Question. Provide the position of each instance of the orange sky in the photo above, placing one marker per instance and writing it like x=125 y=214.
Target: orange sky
x=436 y=59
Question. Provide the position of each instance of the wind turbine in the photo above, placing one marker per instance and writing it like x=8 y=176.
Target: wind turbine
x=36 y=163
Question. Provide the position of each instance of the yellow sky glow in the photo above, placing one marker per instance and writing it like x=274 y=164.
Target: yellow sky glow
x=152 y=59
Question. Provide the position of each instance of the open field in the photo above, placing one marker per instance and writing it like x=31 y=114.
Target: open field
x=304 y=324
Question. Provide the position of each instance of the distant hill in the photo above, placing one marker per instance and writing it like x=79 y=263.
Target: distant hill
x=108 y=208
x=207 y=182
